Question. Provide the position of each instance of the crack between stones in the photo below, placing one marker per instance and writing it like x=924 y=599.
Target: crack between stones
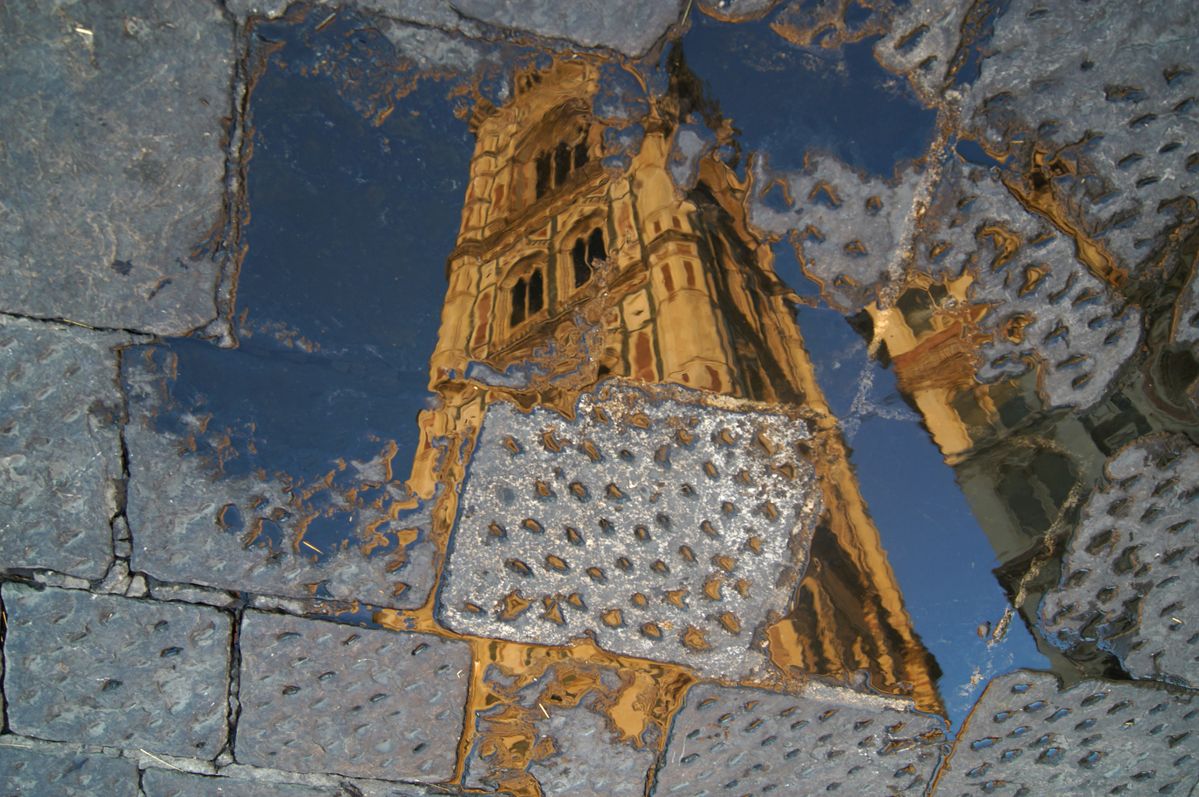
x=67 y=322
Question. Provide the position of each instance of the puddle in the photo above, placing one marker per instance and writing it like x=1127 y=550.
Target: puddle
x=437 y=230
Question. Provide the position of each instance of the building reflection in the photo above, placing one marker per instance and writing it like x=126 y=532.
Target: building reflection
x=568 y=271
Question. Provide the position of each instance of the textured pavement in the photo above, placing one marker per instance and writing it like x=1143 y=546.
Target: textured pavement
x=148 y=650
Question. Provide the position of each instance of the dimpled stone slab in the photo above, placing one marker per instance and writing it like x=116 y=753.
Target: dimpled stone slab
x=26 y=773
x=1129 y=570
x=114 y=164
x=60 y=447
x=169 y=783
x=1024 y=738
x=668 y=526
x=737 y=741
x=325 y=697
x=99 y=669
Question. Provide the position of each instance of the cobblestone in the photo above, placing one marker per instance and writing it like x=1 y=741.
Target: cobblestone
x=106 y=670
x=667 y=529
x=325 y=697
x=1025 y=737
x=168 y=783
x=29 y=773
x=60 y=447
x=734 y=741
x=114 y=164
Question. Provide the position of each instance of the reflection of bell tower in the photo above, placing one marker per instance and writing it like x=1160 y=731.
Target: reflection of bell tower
x=566 y=272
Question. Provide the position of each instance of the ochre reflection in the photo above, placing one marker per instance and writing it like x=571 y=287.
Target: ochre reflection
x=566 y=272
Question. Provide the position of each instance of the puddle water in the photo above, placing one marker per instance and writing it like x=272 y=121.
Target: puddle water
x=919 y=292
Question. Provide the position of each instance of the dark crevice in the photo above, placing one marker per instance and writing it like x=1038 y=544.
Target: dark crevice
x=3 y=697
x=66 y=322
x=233 y=695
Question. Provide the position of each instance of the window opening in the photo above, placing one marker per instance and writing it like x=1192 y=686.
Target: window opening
x=536 y=292
x=518 y=301
x=595 y=247
x=581 y=154
x=561 y=164
x=543 y=174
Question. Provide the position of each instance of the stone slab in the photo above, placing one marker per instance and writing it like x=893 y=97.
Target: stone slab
x=60 y=447
x=736 y=740
x=325 y=697
x=106 y=670
x=194 y=523
x=169 y=783
x=665 y=525
x=114 y=161
x=1025 y=737
x=1128 y=580
x=37 y=773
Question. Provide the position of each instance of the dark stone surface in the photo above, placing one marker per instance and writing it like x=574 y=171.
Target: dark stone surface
x=169 y=783
x=114 y=165
x=627 y=27
x=734 y=741
x=1025 y=737
x=324 y=697
x=35 y=773
x=60 y=449
x=100 y=669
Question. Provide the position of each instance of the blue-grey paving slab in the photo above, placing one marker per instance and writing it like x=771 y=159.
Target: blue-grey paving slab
x=60 y=447
x=180 y=506
x=736 y=740
x=169 y=783
x=1025 y=738
x=114 y=165
x=324 y=697
x=101 y=669
x=665 y=525
x=37 y=773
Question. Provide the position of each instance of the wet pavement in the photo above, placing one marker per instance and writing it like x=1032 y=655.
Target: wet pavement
x=495 y=398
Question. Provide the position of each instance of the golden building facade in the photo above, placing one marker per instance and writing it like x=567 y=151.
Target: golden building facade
x=567 y=272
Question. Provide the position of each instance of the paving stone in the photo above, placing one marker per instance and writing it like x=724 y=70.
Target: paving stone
x=571 y=748
x=1025 y=737
x=101 y=669
x=114 y=165
x=193 y=523
x=1117 y=132
x=665 y=525
x=1128 y=572
x=36 y=773
x=325 y=697
x=60 y=447
x=169 y=783
x=737 y=740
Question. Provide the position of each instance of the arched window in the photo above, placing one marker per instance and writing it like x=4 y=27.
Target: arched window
x=543 y=174
x=561 y=164
x=527 y=296
x=584 y=255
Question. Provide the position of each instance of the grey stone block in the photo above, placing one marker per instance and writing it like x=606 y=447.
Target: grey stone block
x=628 y=27
x=1128 y=573
x=1026 y=738
x=324 y=697
x=100 y=669
x=665 y=525
x=192 y=523
x=573 y=749
x=114 y=164
x=735 y=741
x=36 y=773
x=169 y=783
x=60 y=447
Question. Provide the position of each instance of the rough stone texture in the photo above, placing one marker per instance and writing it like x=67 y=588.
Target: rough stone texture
x=1026 y=738
x=1048 y=309
x=736 y=741
x=853 y=231
x=324 y=697
x=29 y=773
x=627 y=27
x=574 y=750
x=100 y=669
x=194 y=524
x=1128 y=574
x=586 y=22
x=113 y=170
x=1185 y=325
x=921 y=44
x=60 y=447
x=664 y=528
x=169 y=783
x=1109 y=90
